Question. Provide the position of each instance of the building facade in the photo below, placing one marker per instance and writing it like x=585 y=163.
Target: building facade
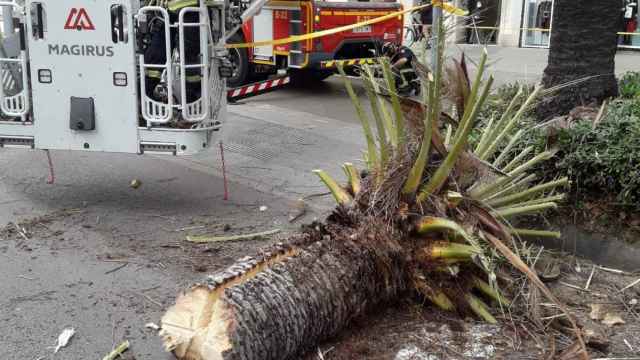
x=528 y=23
x=536 y=23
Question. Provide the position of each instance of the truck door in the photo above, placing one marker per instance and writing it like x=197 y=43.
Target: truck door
x=83 y=74
x=263 y=31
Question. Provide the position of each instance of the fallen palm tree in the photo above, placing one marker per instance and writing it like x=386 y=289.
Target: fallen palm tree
x=426 y=214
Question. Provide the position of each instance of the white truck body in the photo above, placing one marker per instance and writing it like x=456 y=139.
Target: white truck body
x=83 y=90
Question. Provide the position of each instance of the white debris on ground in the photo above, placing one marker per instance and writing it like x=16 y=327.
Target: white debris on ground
x=152 y=326
x=412 y=352
x=478 y=345
x=63 y=338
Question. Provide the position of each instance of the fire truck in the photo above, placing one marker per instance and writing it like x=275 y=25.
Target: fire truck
x=72 y=76
x=306 y=60
x=73 y=71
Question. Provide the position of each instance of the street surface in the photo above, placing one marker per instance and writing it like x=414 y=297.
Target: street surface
x=105 y=259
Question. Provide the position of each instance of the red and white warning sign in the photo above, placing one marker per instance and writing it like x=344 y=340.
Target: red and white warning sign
x=79 y=19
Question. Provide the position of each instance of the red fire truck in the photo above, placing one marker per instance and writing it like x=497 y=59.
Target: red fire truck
x=307 y=59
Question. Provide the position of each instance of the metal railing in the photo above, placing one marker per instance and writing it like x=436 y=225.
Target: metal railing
x=156 y=112
x=197 y=110
x=18 y=103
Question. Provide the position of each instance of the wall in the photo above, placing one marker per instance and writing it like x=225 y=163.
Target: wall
x=511 y=22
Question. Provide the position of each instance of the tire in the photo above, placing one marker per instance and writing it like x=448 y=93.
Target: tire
x=240 y=61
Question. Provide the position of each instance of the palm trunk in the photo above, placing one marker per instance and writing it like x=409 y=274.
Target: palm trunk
x=583 y=44
x=281 y=304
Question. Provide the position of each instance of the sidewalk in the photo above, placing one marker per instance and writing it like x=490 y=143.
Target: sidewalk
x=509 y=64
x=274 y=150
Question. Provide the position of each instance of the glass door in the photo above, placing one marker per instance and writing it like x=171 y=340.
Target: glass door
x=538 y=15
x=483 y=23
x=629 y=33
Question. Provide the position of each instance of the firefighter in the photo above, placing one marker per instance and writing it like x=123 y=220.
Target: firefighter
x=402 y=59
x=155 y=52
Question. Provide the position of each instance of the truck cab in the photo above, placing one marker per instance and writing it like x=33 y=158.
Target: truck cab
x=72 y=73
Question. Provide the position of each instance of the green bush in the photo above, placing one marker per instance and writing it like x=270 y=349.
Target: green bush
x=601 y=162
x=605 y=160
x=630 y=85
x=496 y=105
x=500 y=98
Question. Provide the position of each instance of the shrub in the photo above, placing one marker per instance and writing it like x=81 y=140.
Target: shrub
x=499 y=100
x=497 y=104
x=605 y=160
x=630 y=85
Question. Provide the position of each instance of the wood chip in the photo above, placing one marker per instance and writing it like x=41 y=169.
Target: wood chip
x=614 y=271
x=628 y=344
x=631 y=285
x=612 y=319
x=596 y=338
x=593 y=271
x=597 y=312
x=572 y=286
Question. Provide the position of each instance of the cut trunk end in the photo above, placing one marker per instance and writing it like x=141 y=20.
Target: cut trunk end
x=273 y=308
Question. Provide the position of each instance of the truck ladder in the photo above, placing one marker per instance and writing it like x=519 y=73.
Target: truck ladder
x=199 y=109
x=14 y=93
x=157 y=112
x=296 y=55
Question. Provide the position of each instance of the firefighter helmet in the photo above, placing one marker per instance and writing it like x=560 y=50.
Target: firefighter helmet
x=389 y=48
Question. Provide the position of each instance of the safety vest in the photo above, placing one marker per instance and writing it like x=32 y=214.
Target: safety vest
x=172 y=5
x=175 y=5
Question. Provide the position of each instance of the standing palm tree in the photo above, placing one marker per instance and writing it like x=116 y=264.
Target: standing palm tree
x=583 y=47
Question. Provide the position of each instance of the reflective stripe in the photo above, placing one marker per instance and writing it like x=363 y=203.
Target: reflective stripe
x=403 y=73
x=179 y=4
x=193 y=78
x=156 y=74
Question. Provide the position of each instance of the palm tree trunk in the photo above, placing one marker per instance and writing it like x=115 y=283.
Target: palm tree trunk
x=276 y=306
x=583 y=44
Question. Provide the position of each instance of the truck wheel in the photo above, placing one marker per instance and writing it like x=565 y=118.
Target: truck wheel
x=240 y=63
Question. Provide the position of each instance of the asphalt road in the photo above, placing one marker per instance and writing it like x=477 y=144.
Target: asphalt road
x=106 y=259
x=507 y=65
x=115 y=258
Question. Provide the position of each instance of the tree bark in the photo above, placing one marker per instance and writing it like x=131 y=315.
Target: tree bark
x=284 y=302
x=583 y=44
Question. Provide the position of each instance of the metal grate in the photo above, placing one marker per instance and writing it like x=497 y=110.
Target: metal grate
x=16 y=141
x=269 y=141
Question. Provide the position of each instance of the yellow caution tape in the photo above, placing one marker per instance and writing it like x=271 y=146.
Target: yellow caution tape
x=449 y=8
x=496 y=28
x=347 y=62
x=295 y=38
